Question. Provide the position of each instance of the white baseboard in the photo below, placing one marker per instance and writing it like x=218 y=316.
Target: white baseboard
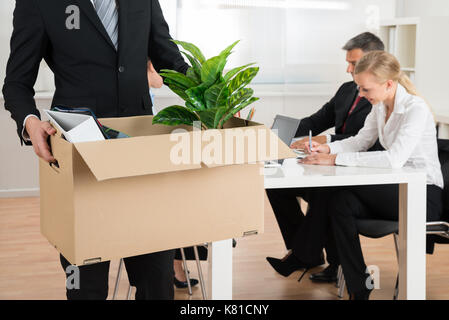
x=19 y=193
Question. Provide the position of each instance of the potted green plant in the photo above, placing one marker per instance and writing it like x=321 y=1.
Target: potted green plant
x=210 y=96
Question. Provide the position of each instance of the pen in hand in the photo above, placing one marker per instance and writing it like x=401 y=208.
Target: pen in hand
x=310 y=141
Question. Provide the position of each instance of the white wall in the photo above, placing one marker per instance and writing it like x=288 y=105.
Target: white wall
x=420 y=8
x=431 y=54
x=291 y=45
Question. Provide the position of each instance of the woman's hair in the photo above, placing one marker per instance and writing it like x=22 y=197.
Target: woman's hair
x=384 y=66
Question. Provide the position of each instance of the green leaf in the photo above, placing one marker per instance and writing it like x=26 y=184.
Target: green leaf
x=191 y=74
x=216 y=95
x=179 y=78
x=237 y=109
x=212 y=69
x=194 y=50
x=219 y=115
x=170 y=82
x=175 y=115
x=191 y=107
x=196 y=66
x=207 y=117
x=179 y=91
x=196 y=98
x=243 y=78
x=234 y=71
x=226 y=52
x=240 y=96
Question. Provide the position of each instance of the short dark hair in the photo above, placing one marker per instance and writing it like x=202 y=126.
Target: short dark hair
x=366 y=42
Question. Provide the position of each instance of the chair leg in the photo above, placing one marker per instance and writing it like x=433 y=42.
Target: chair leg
x=184 y=262
x=200 y=273
x=396 y=245
x=129 y=292
x=341 y=290
x=396 y=288
x=117 y=281
x=341 y=282
x=339 y=272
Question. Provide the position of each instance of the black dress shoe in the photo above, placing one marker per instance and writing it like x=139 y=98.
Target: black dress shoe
x=327 y=275
x=184 y=284
x=287 y=265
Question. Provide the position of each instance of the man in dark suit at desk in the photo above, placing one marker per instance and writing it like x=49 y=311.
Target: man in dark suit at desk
x=98 y=51
x=346 y=111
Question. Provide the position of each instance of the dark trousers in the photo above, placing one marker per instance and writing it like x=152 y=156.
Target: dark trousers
x=306 y=235
x=152 y=275
x=367 y=202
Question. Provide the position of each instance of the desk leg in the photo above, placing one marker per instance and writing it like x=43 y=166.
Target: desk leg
x=412 y=239
x=220 y=270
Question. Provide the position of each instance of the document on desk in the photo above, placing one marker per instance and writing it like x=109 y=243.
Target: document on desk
x=300 y=154
x=75 y=127
x=289 y=168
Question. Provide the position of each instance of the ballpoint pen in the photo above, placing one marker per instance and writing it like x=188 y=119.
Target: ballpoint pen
x=310 y=140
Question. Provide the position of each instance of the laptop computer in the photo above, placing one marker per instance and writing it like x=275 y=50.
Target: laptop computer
x=285 y=128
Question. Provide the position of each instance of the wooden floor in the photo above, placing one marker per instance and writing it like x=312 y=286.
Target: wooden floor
x=30 y=269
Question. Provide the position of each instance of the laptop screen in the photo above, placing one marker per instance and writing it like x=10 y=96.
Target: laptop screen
x=285 y=128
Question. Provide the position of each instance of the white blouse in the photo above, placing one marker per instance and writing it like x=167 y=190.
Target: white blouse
x=409 y=138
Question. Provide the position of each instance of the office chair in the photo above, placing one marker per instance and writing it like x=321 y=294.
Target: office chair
x=436 y=231
x=200 y=275
x=374 y=229
x=184 y=261
x=200 y=271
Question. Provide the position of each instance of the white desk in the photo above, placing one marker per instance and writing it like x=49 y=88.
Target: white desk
x=412 y=209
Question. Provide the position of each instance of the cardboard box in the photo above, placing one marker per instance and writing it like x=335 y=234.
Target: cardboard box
x=118 y=198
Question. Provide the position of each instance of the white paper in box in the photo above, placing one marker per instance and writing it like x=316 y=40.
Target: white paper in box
x=75 y=127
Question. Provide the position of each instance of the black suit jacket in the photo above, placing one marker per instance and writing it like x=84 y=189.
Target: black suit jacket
x=335 y=112
x=88 y=70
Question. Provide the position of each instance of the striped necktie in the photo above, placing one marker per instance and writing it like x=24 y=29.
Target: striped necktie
x=108 y=14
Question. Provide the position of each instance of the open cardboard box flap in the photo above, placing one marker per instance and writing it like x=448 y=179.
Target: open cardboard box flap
x=248 y=144
x=161 y=152
x=129 y=157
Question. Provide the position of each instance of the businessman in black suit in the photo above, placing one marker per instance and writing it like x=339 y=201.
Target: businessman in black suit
x=98 y=51
x=346 y=111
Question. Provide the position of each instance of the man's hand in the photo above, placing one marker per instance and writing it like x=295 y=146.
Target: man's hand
x=39 y=131
x=320 y=159
x=301 y=144
x=154 y=79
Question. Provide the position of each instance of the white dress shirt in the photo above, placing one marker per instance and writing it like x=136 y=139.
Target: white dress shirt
x=409 y=138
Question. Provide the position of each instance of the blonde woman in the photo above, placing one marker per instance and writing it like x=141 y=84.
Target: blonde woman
x=404 y=124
